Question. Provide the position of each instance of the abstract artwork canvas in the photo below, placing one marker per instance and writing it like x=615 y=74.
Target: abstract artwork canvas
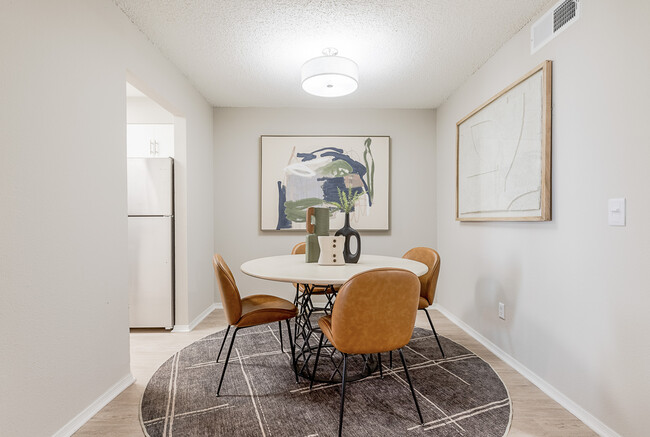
x=504 y=154
x=298 y=172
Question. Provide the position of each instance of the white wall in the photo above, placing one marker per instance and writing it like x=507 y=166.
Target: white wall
x=63 y=275
x=575 y=289
x=237 y=132
x=143 y=110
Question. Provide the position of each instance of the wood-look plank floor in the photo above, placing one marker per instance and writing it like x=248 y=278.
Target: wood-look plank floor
x=534 y=413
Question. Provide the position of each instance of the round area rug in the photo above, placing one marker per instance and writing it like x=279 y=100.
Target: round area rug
x=459 y=395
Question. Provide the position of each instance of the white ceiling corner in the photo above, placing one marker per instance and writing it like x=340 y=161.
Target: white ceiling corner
x=248 y=53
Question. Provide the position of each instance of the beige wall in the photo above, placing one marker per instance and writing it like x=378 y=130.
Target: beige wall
x=63 y=225
x=575 y=289
x=146 y=111
x=236 y=155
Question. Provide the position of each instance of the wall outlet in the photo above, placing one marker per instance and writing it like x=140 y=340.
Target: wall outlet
x=502 y=310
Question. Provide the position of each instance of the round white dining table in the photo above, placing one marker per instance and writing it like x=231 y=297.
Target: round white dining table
x=293 y=268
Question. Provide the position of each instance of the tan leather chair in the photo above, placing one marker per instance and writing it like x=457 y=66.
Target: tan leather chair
x=250 y=311
x=374 y=312
x=428 y=281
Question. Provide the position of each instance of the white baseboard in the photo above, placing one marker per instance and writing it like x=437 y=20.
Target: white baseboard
x=198 y=319
x=587 y=418
x=80 y=419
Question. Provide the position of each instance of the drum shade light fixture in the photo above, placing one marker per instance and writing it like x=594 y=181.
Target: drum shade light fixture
x=330 y=75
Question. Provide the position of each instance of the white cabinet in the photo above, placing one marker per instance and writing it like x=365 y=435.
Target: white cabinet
x=147 y=140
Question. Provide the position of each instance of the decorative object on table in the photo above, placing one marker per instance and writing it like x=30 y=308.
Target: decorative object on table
x=503 y=168
x=298 y=172
x=346 y=204
x=460 y=391
x=318 y=225
x=331 y=251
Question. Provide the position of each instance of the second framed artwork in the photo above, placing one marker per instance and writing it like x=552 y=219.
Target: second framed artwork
x=298 y=172
x=504 y=154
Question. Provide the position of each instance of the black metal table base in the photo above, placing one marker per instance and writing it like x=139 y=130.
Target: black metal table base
x=306 y=337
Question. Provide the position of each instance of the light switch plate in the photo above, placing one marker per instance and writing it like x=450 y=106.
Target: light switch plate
x=616 y=212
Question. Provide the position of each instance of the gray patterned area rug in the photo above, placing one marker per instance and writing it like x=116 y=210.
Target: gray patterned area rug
x=459 y=395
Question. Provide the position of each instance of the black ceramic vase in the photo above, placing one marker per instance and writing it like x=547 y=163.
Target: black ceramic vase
x=348 y=232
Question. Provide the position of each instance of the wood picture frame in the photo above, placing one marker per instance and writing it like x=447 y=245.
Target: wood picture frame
x=503 y=153
x=297 y=172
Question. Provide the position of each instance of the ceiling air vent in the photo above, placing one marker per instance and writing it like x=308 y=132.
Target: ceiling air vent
x=552 y=23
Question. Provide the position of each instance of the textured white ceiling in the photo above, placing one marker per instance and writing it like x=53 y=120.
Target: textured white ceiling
x=411 y=53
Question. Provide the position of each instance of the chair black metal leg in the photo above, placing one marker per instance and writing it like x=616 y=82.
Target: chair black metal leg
x=280 y=330
x=223 y=373
x=434 y=331
x=390 y=364
x=381 y=371
x=345 y=362
x=293 y=350
x=408 y=378
x=295 y=298
x=313 y=373
x=223 y=342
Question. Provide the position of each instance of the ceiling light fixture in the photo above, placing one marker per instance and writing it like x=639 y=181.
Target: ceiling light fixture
x=330 y=75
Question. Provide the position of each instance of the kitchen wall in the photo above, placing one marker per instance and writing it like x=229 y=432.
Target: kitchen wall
x=237 y=132
x=63 y=226
x=575 y=289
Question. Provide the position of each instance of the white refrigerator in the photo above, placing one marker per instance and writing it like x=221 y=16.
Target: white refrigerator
x=151 y=242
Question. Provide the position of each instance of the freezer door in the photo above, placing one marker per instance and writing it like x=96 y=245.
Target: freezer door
x=150 y=272
x=150 y=186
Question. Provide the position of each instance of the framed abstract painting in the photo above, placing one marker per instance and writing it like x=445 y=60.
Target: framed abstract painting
x=298 y=172
x=503 y=154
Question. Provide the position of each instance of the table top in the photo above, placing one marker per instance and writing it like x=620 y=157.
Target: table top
x=293 y=268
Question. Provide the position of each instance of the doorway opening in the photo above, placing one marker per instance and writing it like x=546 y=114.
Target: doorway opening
x=150 y=150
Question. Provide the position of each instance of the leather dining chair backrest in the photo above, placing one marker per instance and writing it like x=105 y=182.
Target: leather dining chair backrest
x=428 y=281
x=230 y=298
x=299 y=249
x=375 y=311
